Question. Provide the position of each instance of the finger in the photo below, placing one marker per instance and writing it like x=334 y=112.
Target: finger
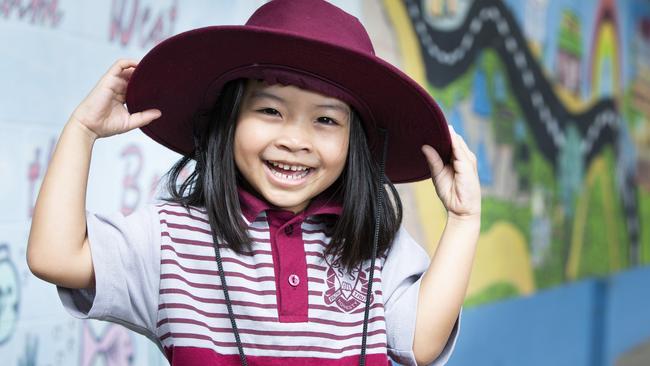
x=462 y=143
x=143 y=118
x=118 y=88
x=456 y=149
x=468 y=152
x=121 y=64
x=433 y=158
x=458 y=145
x=463 y=159
x=126 y=73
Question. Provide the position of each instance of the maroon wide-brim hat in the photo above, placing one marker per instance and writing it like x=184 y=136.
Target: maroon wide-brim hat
x=308 y=43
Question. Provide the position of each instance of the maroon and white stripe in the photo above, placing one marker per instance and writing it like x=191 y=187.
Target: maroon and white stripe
x=192 y=310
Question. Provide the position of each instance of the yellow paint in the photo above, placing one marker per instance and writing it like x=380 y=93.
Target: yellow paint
x=535 y=48
x=606 y=47
x=596 y=171
x=572 y=102
x=431 y=213
x=577 y=234
x=502 y=256
x=412 y=63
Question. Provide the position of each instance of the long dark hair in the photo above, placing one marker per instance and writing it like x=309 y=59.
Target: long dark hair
x=212 y=185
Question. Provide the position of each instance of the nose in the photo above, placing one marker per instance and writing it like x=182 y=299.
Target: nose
x=294 y=137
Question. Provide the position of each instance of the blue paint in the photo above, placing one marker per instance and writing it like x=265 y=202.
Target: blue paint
x=627 y=320
x=484 y=166
x=587 y=323
x=482 y=105
x=550 y=328
x=520 y=130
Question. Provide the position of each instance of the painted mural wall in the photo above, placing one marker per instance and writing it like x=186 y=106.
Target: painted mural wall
x=552 y=95
x=554 y=98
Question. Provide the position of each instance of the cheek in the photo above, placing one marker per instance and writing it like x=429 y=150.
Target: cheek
x=237 y=149
x=337 y=153
x=247 y=142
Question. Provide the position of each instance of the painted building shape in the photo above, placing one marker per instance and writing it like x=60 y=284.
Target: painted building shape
x=569 y=52
x=495 y=160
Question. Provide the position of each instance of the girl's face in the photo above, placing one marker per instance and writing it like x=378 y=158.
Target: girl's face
x=290 y=144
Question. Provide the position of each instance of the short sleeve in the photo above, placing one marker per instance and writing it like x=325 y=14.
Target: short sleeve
x=126 y=260
x=401 y=276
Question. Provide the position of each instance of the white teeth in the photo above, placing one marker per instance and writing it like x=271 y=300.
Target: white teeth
x=294 y=168
x=297 y=171
x=289 y=177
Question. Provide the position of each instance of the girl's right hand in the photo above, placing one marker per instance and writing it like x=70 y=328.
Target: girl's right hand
x=102 y=113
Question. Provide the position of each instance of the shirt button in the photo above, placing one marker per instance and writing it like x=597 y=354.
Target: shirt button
x=288 y=230
x=294 y=280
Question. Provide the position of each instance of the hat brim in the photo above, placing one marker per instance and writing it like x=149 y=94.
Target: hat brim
x=176 y=75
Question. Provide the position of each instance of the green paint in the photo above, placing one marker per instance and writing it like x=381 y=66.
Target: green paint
x=455 y=92
x=644 y=217
x=495 y=292
x=601 y=255
x=494 y=210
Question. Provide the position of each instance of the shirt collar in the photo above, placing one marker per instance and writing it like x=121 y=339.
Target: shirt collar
x=325 y=203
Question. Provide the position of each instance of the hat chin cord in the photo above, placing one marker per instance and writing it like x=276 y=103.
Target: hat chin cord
x=378 y=204
x=231 y=315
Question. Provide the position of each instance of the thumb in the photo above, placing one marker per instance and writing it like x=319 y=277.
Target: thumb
x=433 y=158
x=143 y=118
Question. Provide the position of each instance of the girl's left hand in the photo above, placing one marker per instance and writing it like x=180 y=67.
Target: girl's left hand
x=457 y=184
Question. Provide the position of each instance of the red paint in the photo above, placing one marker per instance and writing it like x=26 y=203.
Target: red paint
x=132 y=22
x=41 y=12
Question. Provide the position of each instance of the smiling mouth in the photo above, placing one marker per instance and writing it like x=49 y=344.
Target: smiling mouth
x=288 y=171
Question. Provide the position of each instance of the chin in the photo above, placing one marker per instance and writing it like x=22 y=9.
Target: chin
x=288 y=204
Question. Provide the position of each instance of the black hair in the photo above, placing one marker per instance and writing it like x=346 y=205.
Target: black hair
x=212 y=185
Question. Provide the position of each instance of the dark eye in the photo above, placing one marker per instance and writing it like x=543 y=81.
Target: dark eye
x=269 y=111
x=326 y=120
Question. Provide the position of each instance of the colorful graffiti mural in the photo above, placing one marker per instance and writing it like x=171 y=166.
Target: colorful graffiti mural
x=555 y=124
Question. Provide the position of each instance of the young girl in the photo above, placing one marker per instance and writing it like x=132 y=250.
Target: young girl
x=282 y=246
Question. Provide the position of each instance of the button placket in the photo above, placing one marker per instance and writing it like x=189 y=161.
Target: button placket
x=293 y=279
x=290 y=266
x=288 y=230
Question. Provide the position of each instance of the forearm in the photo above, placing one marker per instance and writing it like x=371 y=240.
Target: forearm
x=58 y=226
x=443 y=286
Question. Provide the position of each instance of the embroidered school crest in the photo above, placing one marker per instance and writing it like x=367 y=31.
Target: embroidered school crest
x=346 y=290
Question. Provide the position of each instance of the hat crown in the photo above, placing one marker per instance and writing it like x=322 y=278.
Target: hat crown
x=313 y=19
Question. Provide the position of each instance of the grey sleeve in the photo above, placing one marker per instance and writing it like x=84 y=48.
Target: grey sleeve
x=126 y=259
x=401 y=277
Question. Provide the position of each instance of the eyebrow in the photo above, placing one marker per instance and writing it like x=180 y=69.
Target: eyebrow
x=262 y=94
x=337 y=106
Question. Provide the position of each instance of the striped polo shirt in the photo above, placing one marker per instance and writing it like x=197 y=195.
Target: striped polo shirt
x=156 y=273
